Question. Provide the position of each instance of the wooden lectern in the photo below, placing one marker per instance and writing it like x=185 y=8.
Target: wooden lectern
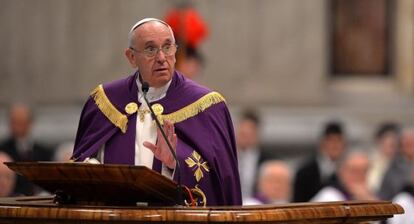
x=115 y=177
x=99 y=184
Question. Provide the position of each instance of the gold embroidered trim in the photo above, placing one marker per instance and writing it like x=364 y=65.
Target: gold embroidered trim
x=195 y=108
x=197 y=162
x=108 y=109
x=198 y=192
x=131 y=108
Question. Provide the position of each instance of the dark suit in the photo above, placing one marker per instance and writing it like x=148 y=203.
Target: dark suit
x=396 y=177
x=37 y=152
x=308 y=181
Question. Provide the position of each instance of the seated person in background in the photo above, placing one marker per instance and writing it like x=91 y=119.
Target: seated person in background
x=7 y=177
x=116 y=126
x=397 y=175
x=386 y=147
x=249 y=153
x=274 y=184
x=321 y=168
x=351 y=183
x=21 y=146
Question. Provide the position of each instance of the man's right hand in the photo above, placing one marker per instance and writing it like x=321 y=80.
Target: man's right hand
x=161 y=150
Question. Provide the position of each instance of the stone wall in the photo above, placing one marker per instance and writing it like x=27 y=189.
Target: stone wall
x=269 y=54
x=261 y=52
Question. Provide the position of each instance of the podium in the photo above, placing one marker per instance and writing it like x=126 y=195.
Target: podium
x=99 y=184
x=106 y=184
x=43 y=210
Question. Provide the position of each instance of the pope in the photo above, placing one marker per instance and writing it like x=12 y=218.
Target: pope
x=116 y=126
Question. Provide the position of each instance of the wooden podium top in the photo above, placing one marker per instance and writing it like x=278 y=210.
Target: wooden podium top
x=43 y=210
x=99 y=184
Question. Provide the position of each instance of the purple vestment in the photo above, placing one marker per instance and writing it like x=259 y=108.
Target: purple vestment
x=209 y=133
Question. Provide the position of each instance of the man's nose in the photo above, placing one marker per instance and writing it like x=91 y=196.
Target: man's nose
x=160 y=56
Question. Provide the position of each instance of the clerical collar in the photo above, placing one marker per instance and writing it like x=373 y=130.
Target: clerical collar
x=153 y=94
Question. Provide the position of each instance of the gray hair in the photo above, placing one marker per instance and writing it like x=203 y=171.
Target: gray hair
x=350 y=154
x=267 y=165
x=131 y=34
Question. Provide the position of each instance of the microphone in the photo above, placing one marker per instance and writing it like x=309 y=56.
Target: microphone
x=145 y=88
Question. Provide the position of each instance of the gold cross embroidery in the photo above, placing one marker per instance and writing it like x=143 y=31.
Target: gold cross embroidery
x=141 y=113
x=196 y=162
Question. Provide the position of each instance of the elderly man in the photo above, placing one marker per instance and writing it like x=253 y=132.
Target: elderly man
x=116 y=125
x=274 y=184
x=352 y=181
x=21 y=146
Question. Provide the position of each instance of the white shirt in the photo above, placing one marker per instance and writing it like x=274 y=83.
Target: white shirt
x=24 y=145
x=328 y=194
x=248 y=160
x=146 y=129
x=327 y=167
x=255 y=201
x=407 y=202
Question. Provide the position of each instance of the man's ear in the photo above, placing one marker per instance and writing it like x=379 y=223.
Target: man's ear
x=131 y=57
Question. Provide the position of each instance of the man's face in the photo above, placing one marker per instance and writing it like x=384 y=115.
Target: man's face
x=246 y=134
x=354 y=170
x=275 y=185
x=20 y=121
x=333 y=145
x=157 y=70
x=388 y=144
x=407 y=145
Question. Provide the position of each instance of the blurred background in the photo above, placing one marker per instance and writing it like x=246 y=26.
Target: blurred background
x=298 y=64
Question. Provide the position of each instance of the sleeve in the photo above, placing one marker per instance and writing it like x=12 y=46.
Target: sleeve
x=93 y=131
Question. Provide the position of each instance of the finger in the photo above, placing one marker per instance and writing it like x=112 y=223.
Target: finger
x=174 y=142
x=168 y=131
x=168 y=128
x=159 y=132
x=160 y=138
x=150 y=146
x=172 y=129
x=173 y=138
x=167 y=122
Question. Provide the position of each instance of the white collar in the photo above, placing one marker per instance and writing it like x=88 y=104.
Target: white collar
x=153 y=94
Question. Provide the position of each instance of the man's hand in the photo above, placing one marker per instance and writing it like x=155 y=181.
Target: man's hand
x=161 y=150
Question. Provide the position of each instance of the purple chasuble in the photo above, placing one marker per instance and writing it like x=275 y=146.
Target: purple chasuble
x=206 y=137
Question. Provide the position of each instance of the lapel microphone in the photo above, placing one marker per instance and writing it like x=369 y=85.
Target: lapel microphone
x=145 y=88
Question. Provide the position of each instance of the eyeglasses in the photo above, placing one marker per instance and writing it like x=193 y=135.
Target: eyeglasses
x=150 y=51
